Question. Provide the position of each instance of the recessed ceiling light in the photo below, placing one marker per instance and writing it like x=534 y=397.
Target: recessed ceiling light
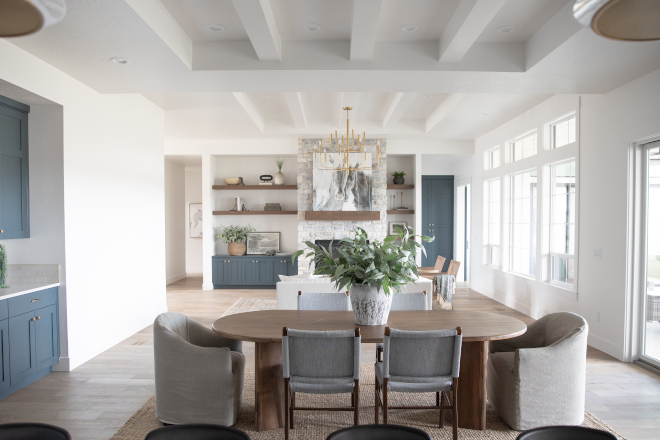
x=119 y=60
x=505 y=29
x=483 y=114
x=216 y=27
x=408 y=27
x=313 y=27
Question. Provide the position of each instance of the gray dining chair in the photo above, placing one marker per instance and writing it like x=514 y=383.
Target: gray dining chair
x=404 y=301
x=331 y=301
x=320 y=362
x=199 y=374
x=420 y=362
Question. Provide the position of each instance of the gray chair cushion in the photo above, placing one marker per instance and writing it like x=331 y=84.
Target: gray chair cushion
x=331 y=301
x=409 y=301
x=414 y=384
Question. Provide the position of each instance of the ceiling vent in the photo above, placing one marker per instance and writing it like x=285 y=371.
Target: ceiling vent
x=627 y=20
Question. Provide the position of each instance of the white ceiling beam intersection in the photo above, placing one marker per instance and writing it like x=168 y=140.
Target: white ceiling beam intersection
x=366 y=14
x=297 y=109
x=259 y=23
x=443 y=109
x=250 y=109
x=467 y=23
x=397 y=108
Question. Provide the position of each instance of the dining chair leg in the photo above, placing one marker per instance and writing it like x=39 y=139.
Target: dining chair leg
x=293 y=404
x=356 y=403
x=454 y=408
x=384 y=401
x=353 y=400
x=286 y=408
x=376 y=391
x=441 y=402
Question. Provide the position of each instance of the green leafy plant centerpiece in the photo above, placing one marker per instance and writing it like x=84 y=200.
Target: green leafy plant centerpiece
x=235 y=237
x=370 y=271
x=3 y=266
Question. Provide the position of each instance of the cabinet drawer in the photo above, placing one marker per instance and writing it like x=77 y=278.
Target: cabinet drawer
x=4 y=311
x=32 y=301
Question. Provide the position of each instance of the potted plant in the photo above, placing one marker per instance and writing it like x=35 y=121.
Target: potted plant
x=398 y=177
x=279 y=177
x=3 y=266
x=235 y=237
x=371 y=272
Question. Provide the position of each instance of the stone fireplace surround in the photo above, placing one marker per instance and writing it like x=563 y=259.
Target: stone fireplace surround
x=336 y=230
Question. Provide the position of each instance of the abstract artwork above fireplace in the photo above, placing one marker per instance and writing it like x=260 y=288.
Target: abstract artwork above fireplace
x=338 y=191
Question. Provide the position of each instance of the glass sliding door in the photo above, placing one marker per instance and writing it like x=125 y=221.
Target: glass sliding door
x=651 y=325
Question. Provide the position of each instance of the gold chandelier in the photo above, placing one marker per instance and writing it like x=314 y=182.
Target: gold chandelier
x=349 y=158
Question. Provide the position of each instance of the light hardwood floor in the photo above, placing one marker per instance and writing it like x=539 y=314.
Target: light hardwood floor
x=97 y=398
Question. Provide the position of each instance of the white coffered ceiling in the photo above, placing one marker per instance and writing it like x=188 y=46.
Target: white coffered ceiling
x=265 y=75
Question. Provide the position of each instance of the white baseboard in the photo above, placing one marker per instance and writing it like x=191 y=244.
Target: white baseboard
x=175 y=278
x=606 y=346
x=207 y=286
x=77 y=359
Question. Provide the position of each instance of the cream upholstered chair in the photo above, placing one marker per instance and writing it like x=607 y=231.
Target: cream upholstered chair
x=320 y=362
x=420 y=362
x=199 y=374
x=538 y=378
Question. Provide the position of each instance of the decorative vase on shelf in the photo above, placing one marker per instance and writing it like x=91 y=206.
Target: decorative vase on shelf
x=236 y=248
x=279 y=178
x=399 y=180
x=371 y=305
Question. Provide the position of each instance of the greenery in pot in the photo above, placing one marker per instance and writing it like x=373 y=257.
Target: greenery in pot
x=234 y=233
x=3 y=266
x=379 y=264
x=398 y=174
x=279 y=162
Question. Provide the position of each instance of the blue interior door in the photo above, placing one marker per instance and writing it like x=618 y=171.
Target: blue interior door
x=438 y=218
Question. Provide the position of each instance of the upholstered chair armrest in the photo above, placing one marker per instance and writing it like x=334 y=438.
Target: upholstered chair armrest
x=203 y=336
x=534 y=337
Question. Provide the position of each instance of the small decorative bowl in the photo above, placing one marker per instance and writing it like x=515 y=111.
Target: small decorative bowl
x=232 y=180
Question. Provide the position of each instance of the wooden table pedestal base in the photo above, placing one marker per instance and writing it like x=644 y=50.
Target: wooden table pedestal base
x=472 y=385
x=269 y=386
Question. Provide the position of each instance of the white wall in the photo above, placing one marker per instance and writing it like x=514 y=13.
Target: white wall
x=193 y=195
x=175 y=222
x=607 y=124
x=113 y=206
x=250 y=168
x=437 y=168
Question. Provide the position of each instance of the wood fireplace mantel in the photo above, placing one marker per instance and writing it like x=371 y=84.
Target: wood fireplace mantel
x=343 y=215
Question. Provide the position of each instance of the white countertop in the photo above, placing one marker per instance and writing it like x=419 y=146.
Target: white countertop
x=19 y=289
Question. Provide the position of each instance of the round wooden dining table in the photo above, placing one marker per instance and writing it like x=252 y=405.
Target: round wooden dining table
x=264 y=328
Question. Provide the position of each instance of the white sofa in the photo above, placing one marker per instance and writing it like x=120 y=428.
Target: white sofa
x=287 y=291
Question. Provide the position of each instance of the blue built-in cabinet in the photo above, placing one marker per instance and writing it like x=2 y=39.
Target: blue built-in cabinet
x=14 y=199
x=30 y=338
x=251 y=271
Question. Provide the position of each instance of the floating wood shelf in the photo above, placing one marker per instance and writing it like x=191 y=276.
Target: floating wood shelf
x=255 y=212
x=343 y=215
x=401 y=211
x=406 y=186
x=242 y=187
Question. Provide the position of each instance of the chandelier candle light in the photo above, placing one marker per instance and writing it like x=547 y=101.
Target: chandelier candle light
x=343 y=149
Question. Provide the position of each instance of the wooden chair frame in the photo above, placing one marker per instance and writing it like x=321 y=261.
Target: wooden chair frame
x=290 y=400
x=440 y=398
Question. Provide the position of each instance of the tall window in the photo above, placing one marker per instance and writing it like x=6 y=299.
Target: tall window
x=492 y=224
x=523 y=146
x=562 y=132
x=492 y=158
x=562 y=223
x=523 y=223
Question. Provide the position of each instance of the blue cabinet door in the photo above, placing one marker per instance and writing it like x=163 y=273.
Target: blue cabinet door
x=438 y=218
x=14 y=204
x=46 y=337
x=257 y=271
x=4 y=354
x=280 y=267
x=226 y=271
x=22 y=353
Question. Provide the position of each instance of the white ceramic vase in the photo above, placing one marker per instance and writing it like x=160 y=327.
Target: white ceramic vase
x=279 y=178
x=371 y=306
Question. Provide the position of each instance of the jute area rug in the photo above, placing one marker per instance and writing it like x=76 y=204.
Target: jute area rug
x=317 y=425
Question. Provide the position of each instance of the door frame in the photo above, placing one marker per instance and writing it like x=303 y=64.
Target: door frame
x=467 y=225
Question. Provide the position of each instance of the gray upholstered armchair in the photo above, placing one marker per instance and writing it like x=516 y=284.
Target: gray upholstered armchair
x=538 y=378
x=199 y=374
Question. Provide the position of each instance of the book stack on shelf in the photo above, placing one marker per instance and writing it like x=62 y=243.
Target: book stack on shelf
x=272 y=207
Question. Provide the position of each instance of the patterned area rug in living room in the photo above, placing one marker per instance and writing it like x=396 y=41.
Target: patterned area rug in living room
x=317 y=425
